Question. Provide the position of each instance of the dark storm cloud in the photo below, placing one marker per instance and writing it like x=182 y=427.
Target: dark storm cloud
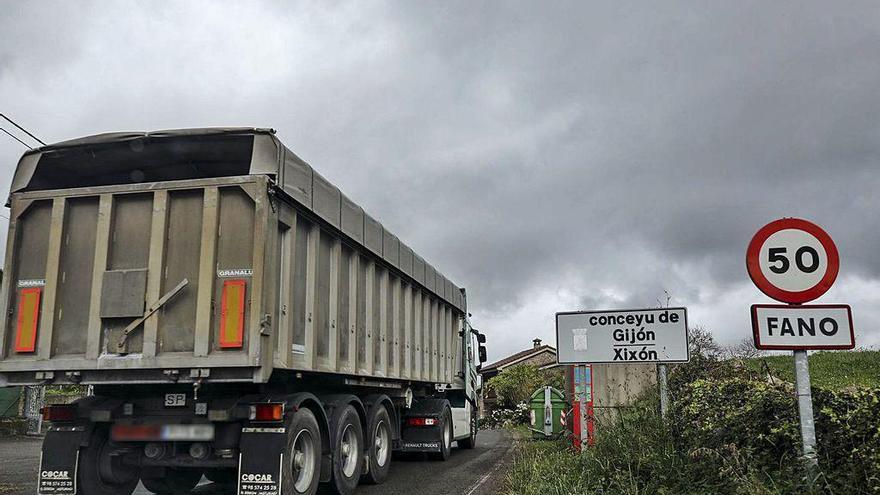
x=543 y=156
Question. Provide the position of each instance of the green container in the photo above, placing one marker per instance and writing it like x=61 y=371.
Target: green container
x=547 y=407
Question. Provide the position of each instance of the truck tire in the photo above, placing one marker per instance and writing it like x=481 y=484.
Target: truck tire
x=471 y=441
x=347 y=446
x=303 y=471
x=100 y=473
x=378 y=445
x=176 y=481
x=445 y=436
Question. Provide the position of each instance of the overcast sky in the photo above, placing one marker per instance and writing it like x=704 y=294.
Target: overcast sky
x=547 y=156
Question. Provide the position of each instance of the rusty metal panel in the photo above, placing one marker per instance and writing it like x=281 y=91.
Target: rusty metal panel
x=353 y=268
x=419 y=269
x=371 y=317
x=77 y=256
x=123 y=293
x=398 y=331
x=406 y=259
x=441 y=286
x=406 y=330
x=416 y=348
x=377 y=313
x=430 y=278
x=297 y=178
x=352 y=219
x=31 y=249
x=129 y=249
x=178 y=317
x=300 y=257
x=344 y=323
x=372 y=235
x=326 y=200
x=426 y=336
x=391 y=249
x=361 y=334
x=322 y=297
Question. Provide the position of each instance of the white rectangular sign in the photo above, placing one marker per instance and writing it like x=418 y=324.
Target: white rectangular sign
x=818 y=326
x=624 y=336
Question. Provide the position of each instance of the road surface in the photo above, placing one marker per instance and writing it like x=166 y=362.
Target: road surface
x=467 y=472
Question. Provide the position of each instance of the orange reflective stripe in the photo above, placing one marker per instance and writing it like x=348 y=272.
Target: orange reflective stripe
x=28 y=318
x=232 y=313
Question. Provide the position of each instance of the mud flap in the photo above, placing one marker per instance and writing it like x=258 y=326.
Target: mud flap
x=260 y=459
x=59 y=461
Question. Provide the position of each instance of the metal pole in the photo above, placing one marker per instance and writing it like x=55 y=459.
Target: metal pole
x=664 y=389
x=805 y=409
x=582 y=374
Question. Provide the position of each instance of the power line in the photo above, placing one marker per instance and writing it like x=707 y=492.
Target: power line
x=13 y=137
x=22 y=129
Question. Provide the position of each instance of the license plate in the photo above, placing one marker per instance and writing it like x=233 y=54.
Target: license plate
x=154 y=432
x=175 y=400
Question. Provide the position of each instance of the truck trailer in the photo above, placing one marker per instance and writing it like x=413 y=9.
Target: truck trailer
x=233 y=314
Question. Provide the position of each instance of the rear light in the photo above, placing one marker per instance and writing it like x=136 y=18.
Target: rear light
x=422 y=421
x=64 y=412
x=267 y=412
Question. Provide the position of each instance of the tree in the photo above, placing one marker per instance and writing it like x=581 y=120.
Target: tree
x=744 y=349
x=516 y=384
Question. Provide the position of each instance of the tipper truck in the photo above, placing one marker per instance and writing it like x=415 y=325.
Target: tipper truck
x=234 y=316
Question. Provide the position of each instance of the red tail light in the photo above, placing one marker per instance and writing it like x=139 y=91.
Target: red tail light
x=422 y=421
x=64 y=412
x=267 y=412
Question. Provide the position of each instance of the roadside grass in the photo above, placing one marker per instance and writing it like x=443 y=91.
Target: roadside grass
x=832 y=370
x=634 y=455
x=729 y=431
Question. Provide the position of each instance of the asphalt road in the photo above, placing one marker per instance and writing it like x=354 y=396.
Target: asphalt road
x=467 y=472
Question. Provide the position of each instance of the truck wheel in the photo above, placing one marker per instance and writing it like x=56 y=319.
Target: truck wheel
x=347 y=441
x=471 y=441
x=174 y=482
x=378 y=445
x=99 y=472
x=303 y=471
x=445 y=436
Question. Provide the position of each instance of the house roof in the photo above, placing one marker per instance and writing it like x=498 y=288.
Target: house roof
x=519 y=356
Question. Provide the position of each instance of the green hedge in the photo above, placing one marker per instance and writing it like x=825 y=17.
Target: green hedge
x=730 y=430
x=733 y=410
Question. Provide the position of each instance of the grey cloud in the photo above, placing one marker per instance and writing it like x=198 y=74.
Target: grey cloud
x=520 y=147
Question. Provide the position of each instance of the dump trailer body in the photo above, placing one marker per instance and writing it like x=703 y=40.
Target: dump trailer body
x=210 y=255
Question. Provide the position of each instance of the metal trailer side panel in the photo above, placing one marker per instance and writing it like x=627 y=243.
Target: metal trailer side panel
x=100 y=255
x=311 y=297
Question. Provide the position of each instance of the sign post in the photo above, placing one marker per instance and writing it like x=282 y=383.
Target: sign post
x=634 y=336
x=664 y=389
x=794 y=261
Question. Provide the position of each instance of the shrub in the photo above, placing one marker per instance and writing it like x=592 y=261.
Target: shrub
x=729 y=431
x=505 y=418
x=516 y=384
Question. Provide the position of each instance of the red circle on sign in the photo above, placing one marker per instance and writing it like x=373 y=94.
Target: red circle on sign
x=798 y=297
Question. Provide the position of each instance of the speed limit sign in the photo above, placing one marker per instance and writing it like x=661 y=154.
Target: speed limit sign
x=792 y=260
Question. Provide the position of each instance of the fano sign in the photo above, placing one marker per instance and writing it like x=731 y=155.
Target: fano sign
x=818 y=326
x=626 y=336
